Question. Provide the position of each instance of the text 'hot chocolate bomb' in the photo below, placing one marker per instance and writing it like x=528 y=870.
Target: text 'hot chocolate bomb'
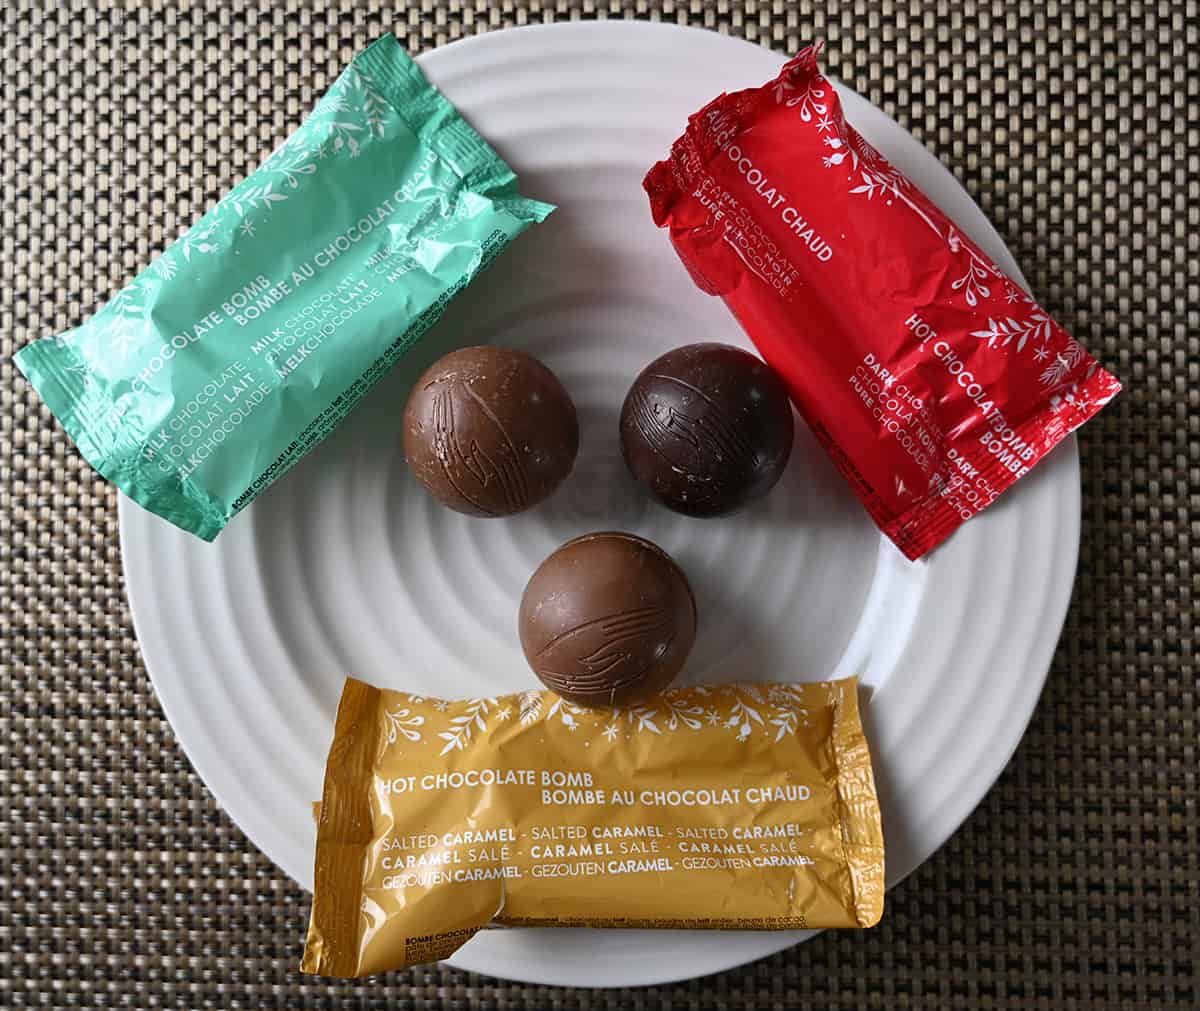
x=490 y=431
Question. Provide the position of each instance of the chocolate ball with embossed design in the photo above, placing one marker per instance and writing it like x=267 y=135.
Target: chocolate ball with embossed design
x=707 y=428
x=608 y=619
x=490 y=431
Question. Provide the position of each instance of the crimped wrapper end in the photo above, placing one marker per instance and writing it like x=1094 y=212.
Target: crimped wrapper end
x=861 y=823
x=710 y=807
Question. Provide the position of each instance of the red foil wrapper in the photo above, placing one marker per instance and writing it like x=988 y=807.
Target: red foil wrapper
x=933 y=380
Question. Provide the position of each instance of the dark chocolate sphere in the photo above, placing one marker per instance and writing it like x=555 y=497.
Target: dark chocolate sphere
x=707 y=428
x=490 y=431
x=607 y=620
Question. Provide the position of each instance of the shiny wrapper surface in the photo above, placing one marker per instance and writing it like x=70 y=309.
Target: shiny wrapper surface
x=934 y=381
x=745 y=806
x=212 y=373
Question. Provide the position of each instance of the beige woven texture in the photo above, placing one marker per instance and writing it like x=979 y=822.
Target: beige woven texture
x=1075 y=884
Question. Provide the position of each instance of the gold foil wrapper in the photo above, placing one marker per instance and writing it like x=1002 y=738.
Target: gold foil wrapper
x=742 y=806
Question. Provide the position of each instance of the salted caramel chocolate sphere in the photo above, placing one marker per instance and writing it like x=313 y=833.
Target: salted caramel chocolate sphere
x=607 y=620
x=490 y=431
x=707 y=428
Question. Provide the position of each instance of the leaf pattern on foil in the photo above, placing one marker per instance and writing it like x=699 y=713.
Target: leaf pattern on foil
x=747 y=709
x=462 y=727
x=403 y=723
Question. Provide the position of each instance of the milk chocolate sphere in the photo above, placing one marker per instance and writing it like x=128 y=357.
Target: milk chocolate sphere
x=490 y=431
x=607 y=620
x=707 y=428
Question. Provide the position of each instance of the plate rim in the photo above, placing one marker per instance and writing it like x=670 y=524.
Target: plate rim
x=129 y=514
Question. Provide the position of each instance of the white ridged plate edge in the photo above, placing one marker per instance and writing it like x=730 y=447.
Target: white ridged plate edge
x=345 y=566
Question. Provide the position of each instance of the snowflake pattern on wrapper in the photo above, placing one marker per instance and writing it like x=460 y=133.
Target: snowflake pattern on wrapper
x=350 y=110
x=740 y=710
x=876 y=178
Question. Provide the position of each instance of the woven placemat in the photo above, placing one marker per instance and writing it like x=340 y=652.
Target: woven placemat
x=1075 y=884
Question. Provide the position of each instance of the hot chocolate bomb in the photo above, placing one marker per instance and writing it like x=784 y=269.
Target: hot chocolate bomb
x=490 y=431
x=607 y=619
x=707 y=428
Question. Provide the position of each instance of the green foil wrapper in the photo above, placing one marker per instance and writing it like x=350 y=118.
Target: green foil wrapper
x=250 y=338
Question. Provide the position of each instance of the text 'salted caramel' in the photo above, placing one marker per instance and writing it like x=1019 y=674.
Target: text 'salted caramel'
x=743 y=806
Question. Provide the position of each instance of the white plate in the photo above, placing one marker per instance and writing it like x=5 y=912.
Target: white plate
x=346 y=566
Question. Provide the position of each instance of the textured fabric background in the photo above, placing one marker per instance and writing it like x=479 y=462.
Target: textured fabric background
x=1075 y=885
